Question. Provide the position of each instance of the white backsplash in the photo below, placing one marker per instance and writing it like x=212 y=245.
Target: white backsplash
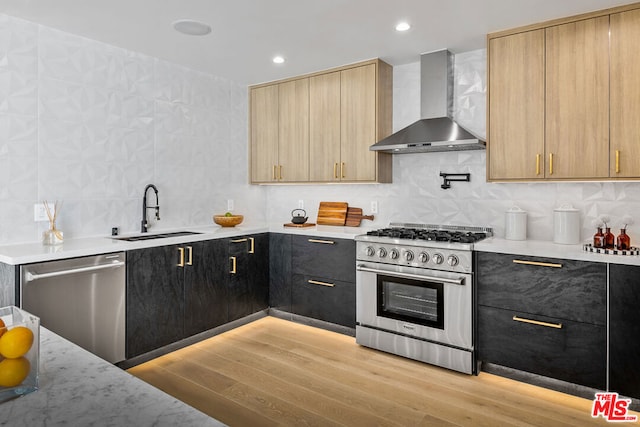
x=92 y=124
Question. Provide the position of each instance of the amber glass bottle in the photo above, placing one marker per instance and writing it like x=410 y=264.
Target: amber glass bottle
x=598 y=239
x=623 y=241
x=609 y=239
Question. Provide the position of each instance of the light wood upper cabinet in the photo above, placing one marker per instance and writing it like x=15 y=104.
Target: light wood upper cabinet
x=625 y=95
x=577 y=99
x=264 y=133
x=326 y=136
x=516 y=105
x=590 y=95
x=324 y=127
x=293 y=146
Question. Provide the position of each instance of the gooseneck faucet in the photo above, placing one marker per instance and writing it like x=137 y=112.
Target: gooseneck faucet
x=145 y=223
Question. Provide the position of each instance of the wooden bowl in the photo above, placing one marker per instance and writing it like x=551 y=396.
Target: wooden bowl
x=228 y=221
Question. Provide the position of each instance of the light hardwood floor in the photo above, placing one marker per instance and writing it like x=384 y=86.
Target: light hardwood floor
x=275 y=372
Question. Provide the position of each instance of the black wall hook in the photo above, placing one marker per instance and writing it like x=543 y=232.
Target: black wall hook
x=462 y=177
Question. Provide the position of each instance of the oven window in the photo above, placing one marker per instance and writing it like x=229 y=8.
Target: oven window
x=415 y=301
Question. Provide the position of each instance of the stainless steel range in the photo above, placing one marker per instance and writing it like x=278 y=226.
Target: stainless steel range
x=415 y=292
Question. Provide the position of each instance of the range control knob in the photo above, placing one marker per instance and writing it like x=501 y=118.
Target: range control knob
x=423 y=257
x=438 y=258
x=370 y=251
x=382 y=252
x=408 y=255
x=394 y=253
x=453 y=260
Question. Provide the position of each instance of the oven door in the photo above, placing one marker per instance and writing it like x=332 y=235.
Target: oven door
x=429 y=304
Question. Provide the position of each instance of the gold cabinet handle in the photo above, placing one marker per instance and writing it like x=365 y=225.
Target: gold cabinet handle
x=335 y=170
x=316 y=282
x=617 y=161
x=190 y=261
x=233 y=265
x=550 y=163
x=326 y=242
x=252 y=246
x=239 y=240
x=536 y=263
x=274 y=172
x=181 y=262
x=537 y=322
x=342 y=170
x=537 y=164
x=280 y=175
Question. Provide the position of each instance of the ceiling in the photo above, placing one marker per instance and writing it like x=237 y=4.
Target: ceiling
x=311 y=35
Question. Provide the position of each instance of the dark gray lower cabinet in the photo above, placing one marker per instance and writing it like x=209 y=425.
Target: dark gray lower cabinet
x=624 y=329
x=280 y=271
x=154 y=299
x=542 y=315
x=332 y=301
x=205 y=290
x=248 y=277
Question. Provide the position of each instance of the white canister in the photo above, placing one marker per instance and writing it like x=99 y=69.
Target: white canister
x=515 y=224
x=566 y=225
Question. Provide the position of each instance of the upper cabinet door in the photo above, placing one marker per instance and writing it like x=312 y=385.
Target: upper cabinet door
x=293 y=148
x=625 y=95
x=324 y=127
x=516 y=107
x=577 y=99
x=264 y=133
x=358 y=124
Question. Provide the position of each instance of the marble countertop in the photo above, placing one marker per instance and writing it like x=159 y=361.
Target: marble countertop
x=550 y=250
x=77 y=388
x=27 y=253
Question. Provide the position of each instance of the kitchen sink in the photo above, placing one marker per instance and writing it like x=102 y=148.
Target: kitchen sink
x=156 y=236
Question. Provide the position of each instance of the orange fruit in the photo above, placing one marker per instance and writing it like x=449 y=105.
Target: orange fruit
x=13 y=371
x=3 y=327
x=16 y=342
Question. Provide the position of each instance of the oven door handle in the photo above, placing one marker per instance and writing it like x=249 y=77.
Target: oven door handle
x=459 y=281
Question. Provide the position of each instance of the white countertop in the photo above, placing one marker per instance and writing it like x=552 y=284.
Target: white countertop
x=550 y=250
x=28 y=253
x=77 y=388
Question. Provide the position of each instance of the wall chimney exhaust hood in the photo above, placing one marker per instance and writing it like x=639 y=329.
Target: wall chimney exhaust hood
x=435 y=131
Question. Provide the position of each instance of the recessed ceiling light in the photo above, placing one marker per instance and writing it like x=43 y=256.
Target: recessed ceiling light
x=192 y=27
x=403 y=26
x=278 y=59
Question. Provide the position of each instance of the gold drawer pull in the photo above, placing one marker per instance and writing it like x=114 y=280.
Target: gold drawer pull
x=274 y=172
x=253 y=245
x=326 y=242
x=238 y=240
x=315 y=282
x=335 y=170
x=617 y=161
x=190 y=262
x=280 y=178
x=550 y=163
x=537 y=322
x=342 y=170
x=181 y=262
x=233 y=265
x=539 y=264
x=537 y=164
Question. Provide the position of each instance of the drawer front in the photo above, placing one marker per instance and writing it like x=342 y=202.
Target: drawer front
x=576 y=352
x=324 y=299
x=324 y=257
x=567 y=289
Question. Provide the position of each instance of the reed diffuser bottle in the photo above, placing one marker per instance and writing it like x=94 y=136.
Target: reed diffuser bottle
x=623 y=241
x=52 y=236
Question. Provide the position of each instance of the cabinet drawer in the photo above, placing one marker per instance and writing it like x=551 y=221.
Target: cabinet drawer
x=324 y=257
x=567 y=289
x=324 y=299
x=575 y=352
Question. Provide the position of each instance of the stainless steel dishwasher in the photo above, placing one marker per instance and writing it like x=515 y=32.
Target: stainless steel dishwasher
x=80 y=299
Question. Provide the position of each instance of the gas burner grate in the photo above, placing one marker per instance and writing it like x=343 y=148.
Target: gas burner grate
x=437 y=235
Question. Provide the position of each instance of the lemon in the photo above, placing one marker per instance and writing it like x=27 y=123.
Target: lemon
x=13 y=371
x=16 y=342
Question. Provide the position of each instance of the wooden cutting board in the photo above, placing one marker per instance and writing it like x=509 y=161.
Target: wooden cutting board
x=332 y=213
x=354 y=216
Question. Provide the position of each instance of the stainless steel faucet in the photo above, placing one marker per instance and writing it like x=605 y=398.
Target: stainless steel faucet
x=145 y=223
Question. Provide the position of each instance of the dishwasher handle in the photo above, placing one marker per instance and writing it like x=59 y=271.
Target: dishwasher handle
x=29 y=277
